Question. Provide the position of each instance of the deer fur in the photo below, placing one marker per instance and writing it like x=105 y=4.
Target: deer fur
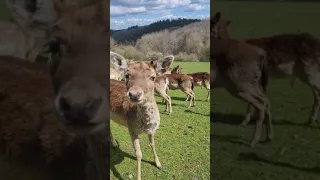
x=201 y=79
x=132 y=103
x=241 y=69
x=296 y=55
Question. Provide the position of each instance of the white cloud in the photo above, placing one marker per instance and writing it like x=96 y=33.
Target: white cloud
x=121 y=10
x=126 y=7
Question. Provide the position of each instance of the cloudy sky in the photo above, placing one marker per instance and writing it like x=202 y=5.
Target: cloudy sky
x=126 y=13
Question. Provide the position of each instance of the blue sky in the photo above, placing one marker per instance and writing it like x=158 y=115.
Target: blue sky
x=126 y=13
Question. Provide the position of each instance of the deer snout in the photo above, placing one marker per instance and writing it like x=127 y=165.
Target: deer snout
x=77 y=108
x=135 y=94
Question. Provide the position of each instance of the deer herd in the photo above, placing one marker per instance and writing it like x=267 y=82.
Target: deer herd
x=51 y=106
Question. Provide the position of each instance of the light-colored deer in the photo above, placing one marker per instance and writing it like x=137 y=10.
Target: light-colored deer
x=241 y=69
x=116 y=74
x=25 y=35
x=132 y=103
x=201 y=79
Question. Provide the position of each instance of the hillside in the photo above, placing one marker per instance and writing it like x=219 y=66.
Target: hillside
x=132 y=34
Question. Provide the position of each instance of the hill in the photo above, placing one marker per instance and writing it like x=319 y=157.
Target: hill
x=132 y=34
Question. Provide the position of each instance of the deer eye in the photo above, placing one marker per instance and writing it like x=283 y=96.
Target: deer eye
x=127 y=76
x=152 y=78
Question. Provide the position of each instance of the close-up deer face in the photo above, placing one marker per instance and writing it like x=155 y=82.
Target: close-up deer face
x=78 y=64
x=140 y=76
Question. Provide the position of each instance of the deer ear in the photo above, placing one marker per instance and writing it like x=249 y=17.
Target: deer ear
x=216 y=18
x=118 y=61
x=163 y=64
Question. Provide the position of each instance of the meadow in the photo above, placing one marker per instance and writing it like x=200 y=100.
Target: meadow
x=182 y=141
x=295 y=151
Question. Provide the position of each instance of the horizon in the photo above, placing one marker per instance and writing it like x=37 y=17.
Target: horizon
x=125 y=13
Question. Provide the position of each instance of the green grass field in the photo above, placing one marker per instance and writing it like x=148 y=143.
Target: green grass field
x=294 y=154
x=182 y=142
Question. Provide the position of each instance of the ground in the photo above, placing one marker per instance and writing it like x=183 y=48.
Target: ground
x=182 y=142
x=295 y=151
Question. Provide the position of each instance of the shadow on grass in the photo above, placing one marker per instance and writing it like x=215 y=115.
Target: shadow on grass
x=190 y=111
x=233 y=119
x=255 y=157
x=117 y=157
x=230 y=139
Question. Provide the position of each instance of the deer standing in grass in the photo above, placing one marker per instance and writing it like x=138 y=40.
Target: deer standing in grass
x=241 y=69
x=201 y=79
x=296 y=55
x=132 y=103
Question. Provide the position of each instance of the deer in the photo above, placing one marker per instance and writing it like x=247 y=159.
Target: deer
x=241 y=69
x=161 y=88
x=132 y=103
x=77 y=65
x=25 y=35
x=201 y=79
x=296 y=55
x=45 y=108
x=115 y=74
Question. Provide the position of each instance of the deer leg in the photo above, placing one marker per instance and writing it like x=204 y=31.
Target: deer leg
x=315 y=108
x=250 y=110
x=194 y=98
x=188 y=97
x=136 y=146
x=114 y=142
x=153 y=148
x=261 y=109
x=191 y=97
x=169 y=102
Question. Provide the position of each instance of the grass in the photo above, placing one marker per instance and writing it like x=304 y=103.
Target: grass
x=182 y=142
x=294 y=153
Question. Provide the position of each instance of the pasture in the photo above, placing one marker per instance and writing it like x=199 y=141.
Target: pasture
x=294 y=152
x=182 y=140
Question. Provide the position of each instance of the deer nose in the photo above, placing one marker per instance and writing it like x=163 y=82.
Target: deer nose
x=79 y=113
x=134 y=96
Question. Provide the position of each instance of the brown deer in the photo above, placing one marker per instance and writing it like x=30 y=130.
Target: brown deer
x=201 y=79
x=241 y=69
x=296 y=55
x=132 y=103
x=43 y=113
x=25 y=35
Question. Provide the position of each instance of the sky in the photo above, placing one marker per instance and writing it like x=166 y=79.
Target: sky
x=127 y=13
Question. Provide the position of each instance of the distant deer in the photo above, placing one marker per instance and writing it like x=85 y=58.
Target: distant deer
x=296 y=55
x=132 y=103
x=241 y=69
x=201 y=79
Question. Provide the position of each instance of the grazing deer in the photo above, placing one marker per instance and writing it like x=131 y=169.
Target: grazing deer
x=115 y=74
x=241 y=69
x=201 y=79
x=25 y=35
x=78 y=67
x=132 y=102
x=296 y=55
